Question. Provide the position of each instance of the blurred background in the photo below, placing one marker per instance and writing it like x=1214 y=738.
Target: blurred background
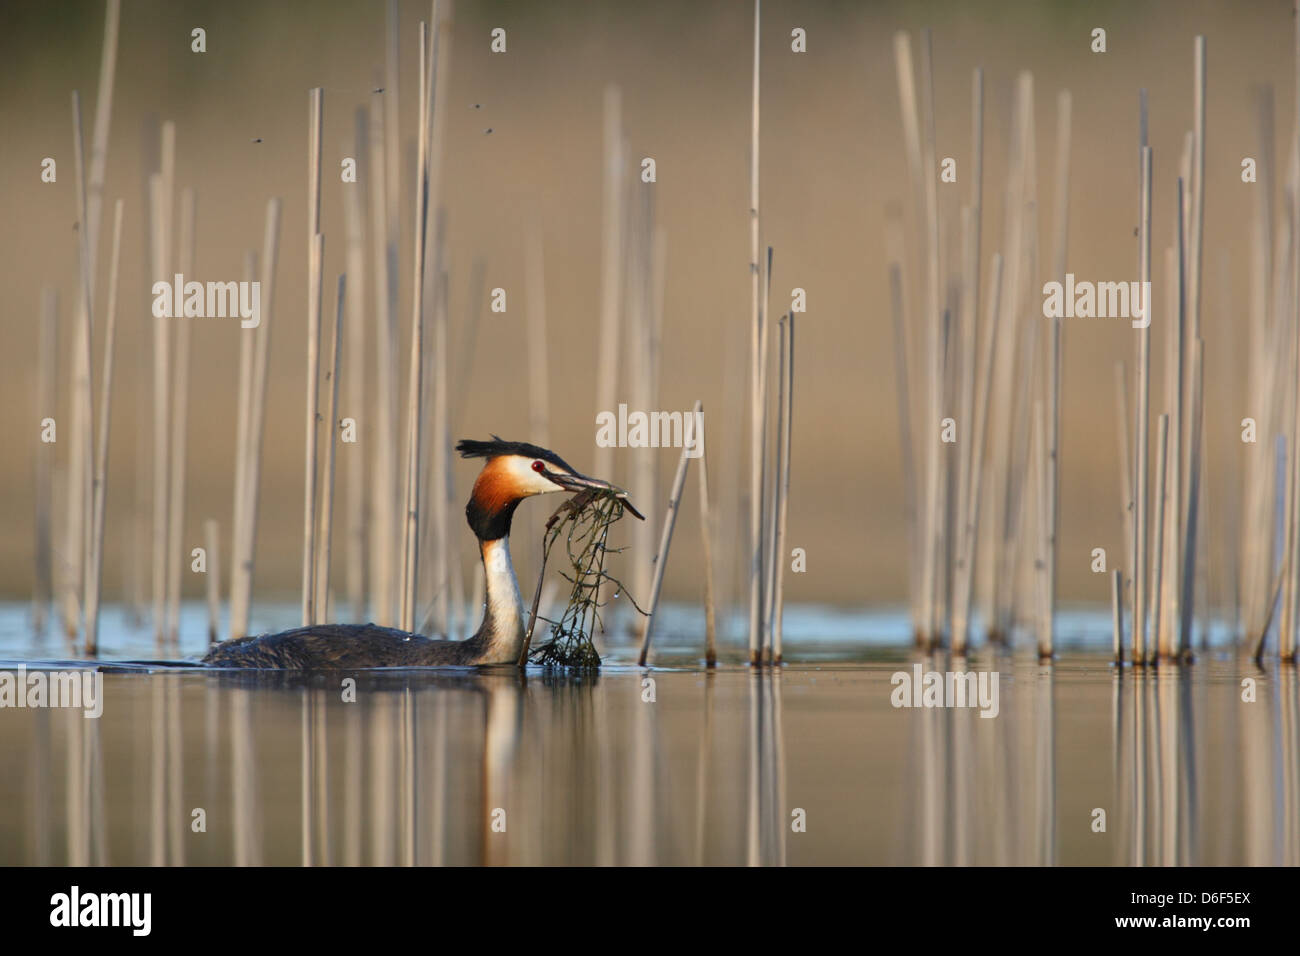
x=832 y=157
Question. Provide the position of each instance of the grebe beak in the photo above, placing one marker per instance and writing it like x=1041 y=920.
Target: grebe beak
x=576 y=482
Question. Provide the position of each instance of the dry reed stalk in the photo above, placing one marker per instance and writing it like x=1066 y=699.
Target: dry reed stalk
x=81 y=459
x=437 y=445
x=613 y=227
x=1192 y=513
x=94 y=574
x=1140 y=456
x=358 y=499
x=391 y=131
x=539 y=404
x=1255 y=555
x=449 y=564
x=1053 y=477
x=756 y=434
x=245 y=388
x=410 y=549
x=315 y=266
x=1017 y=215
x=179 y=426
x=46 y=407
x=383 y=547
x=315 y=260
x=1142 y=654
x=706 y=541
x=1196 y=238
x=324 y=539
x=161 y=254
x=1125 y=463
x=934 y=513
x=972 y=222
x=241 y=587
x=665 y=540
x=894 y=242
x=99 y=135
x=441 y=18
x=1287 y=636
x=772 y=502
x=965 y=583
x=431 y=617
x=1117 y=615
x=766 y=518
x=912 y=152
x=1287 y=350
x=90 y=182
x=785 y=430
x=1037 y=565
x=1017 y=539
x=654 y=282
x=1180 y=437
x=1169 y=542
x=212 y=542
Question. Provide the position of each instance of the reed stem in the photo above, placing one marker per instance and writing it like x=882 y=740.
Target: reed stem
x=80 y=483
x=212 y=543
x=665 y=540
x=410 y=550
x=179 y=425
x=383 y=547
x=756 y=434
x=706 y=536
x=315 y=260
x=325 y=538
x=358 y=499
x=1053 y=476
x=46 y=407
x=94 y=576
x=315 y=266
x=1162 y=487
x=1140 y=456
x=1117 y=614
x=241 y=587
x=784 y=432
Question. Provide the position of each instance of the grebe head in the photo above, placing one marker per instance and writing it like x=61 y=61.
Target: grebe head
x=515 y=471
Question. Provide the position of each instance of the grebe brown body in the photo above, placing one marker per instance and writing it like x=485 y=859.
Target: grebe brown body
x=511 y=472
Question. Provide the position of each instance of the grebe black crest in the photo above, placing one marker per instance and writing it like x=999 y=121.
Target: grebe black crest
x=512 y=471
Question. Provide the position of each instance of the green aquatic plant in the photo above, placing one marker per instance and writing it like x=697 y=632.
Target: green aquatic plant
x=583 y=522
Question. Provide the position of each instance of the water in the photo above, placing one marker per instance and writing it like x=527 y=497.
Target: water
x=670 y=765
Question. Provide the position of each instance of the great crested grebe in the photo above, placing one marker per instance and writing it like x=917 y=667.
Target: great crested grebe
x=512 y=472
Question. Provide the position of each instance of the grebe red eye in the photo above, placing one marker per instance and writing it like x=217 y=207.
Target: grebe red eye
x=538 y=467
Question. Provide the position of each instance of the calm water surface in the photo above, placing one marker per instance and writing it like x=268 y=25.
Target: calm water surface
x=668 y=765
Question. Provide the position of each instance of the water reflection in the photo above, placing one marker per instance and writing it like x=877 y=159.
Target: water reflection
x=660 y=766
